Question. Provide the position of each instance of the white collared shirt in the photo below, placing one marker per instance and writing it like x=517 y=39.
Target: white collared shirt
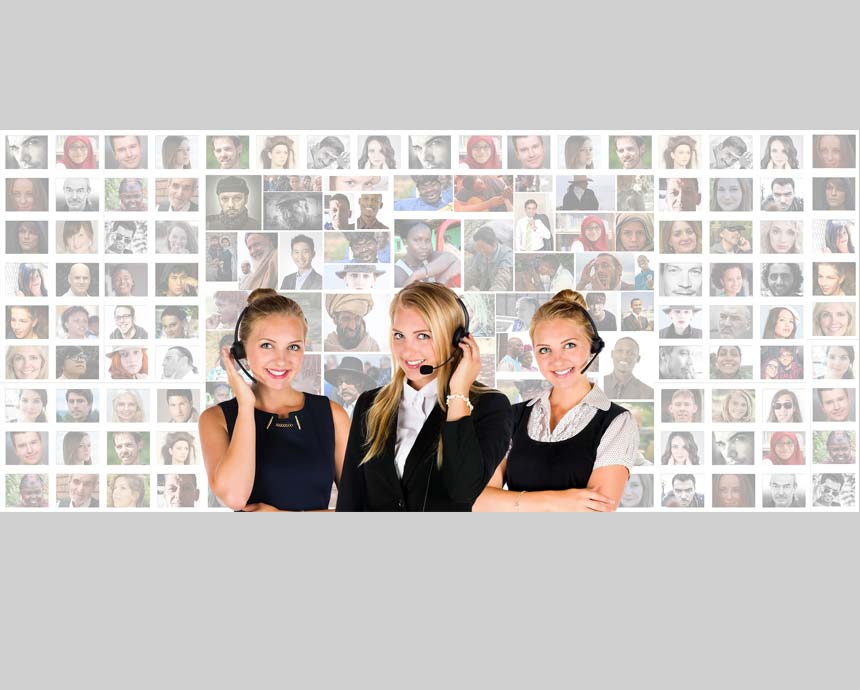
x=302 y=277
x=619 y=444
x=415 y=407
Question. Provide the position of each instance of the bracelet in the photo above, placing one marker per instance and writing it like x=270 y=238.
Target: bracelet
x=517 y=502
x=458 y=396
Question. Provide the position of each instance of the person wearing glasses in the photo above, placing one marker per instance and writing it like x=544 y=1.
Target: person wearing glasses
x=126 y=328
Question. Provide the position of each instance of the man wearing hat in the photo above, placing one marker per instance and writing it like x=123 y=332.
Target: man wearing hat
x=232 y=193
x=350 y=334
x=349 y=381
x=578 y=196
x=360 y=277
x=682 y=319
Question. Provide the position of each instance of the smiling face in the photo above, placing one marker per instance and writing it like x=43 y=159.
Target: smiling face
x=276 y=348
x=683 y=407
x=530 y=151
x=123 y=495
x=682 y=238
x=127 y=151
x=783 y=408
x=679 y=452
x=77 y=325
x=785 y=324
x=732 y=281
x=739 y=408
x=728 y=360
x=27 y=363
x=127 y=448
x=126 y=408
x=634 y=490
x=28 y=447
x=122 y=282
x=30 y=406
x=836 y=404
x=834 y=319
x=412 y=346
x=784 y=448
x=629 y=152
x=561 y=348
x=180 y=192
x=838 y=362
x=81 y=488
x=227 y=152
x=79 y=280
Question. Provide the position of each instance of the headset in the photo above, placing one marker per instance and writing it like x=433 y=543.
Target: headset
x=460 y=334
x=597 y=343
x=237 y=349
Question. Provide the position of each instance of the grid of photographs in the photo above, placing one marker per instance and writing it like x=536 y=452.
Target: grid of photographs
x=720 y=268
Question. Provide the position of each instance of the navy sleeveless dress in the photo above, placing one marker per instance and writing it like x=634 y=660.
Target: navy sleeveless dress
x=295 y=454
x=554 y=466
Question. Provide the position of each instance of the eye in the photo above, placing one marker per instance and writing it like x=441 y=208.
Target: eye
x=423 y=336
x=266 y=346
x=543 y=350
x=295 y=347
x=397 y=336
x=569 y=346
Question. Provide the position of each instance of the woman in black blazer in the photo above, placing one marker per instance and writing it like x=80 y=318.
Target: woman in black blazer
x=433 y=437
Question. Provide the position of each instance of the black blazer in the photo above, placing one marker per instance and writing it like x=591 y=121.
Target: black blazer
x=473 y=447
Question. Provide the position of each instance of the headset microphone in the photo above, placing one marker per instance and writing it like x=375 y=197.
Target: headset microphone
x=459 y=334
x=237 y=349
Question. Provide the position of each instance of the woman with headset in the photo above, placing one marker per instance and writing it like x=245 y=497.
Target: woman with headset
x=272 y=447
x=572 y=448
x=431 y=438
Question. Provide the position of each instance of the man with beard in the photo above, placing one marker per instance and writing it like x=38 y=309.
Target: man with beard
x=350 y=334
x=604 y=272
x=677 y=362
x=263 y=249
x=368 y=218
x=731 y=322
x=435 y=193
x=621 y=384
x=178 y=364
x=26 y=152
x=782 y=196
x=421 y=262
x=227 y=151
x=128 y=446
x=736 y=448
x=295 y=213
x=682 y=319
x=232 y=193
x=180 y=191
x=683 y=494
x=630 y=150
x=132 y=196
x=349 y=381
x=76 y=196
x=783 y=492
x=302 y=252
x=781 y=280
x=81 y=488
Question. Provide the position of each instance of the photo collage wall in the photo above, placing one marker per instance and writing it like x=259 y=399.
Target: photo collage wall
x=719 y=266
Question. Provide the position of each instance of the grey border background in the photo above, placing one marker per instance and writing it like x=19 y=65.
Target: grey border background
x=452 y=601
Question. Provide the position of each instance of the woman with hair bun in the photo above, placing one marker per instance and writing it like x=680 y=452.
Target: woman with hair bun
x=272 y=447
x=572 y=448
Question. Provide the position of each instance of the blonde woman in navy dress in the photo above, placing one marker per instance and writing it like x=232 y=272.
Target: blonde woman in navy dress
x=572 y=448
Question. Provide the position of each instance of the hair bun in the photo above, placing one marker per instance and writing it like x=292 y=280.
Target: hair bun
x=261 y=293
x=568 y=295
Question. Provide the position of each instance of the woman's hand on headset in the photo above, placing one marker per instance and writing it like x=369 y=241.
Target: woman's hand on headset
x=467 y=369
x=240 y=387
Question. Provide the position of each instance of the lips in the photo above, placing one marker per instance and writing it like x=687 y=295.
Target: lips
x=277 y=374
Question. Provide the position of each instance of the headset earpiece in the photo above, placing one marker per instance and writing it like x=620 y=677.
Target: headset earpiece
x=237 y=349
x=461 y=332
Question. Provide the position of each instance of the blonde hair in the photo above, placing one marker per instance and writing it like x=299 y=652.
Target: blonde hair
x=821 y=307
x=441 y=311
x=566 y=304
x=138 y=401
x=264 y=302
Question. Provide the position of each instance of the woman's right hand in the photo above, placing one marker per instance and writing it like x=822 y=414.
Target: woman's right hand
x=585 y=501
x=243 y=392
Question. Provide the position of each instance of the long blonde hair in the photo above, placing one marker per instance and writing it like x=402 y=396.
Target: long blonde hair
x=441 y=311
